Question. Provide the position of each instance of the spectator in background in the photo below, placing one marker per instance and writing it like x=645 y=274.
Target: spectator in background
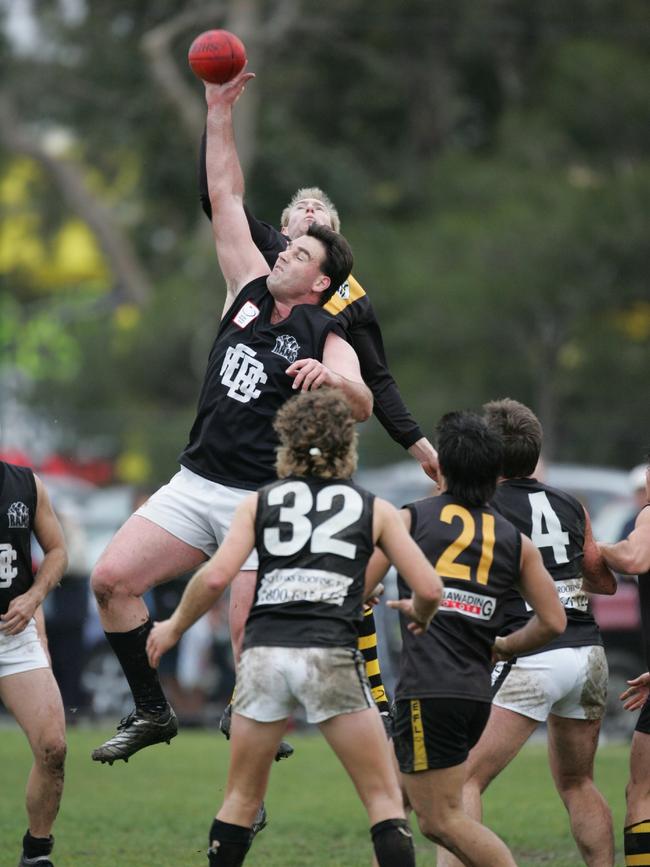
x=66 y=610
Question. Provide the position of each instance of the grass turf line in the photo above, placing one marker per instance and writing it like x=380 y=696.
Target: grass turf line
x=157 y=809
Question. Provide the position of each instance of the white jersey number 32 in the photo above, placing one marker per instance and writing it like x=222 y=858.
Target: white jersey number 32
x=321 y=538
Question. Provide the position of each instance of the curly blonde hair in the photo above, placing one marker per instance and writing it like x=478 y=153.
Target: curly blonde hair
x=312 y=193
x=318 y=436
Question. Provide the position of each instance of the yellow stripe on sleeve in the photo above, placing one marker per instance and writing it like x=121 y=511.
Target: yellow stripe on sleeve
x=354 y=291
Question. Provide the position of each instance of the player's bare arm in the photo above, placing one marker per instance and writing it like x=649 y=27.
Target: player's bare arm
x=239 y=258
x=597 y=576
x=208 y=583
x=632 y=555
x=49 y=535
x=538 y=589
x=339 y=369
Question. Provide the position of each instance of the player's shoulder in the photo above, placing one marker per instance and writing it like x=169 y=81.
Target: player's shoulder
x=349 y=296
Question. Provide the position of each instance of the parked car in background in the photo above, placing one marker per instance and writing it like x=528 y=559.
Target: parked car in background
x=607 y=496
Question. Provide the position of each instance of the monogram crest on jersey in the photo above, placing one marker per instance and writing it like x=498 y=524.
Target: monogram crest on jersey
x=286 y=346
x=344 y=290
x=246 y=314
x=18 y=515
x=241 y=372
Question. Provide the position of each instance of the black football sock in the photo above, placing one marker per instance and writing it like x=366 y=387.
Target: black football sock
x=33 y=847
x=130 y=649
x=393 y=843
x=637 y=843
x=228 y=844
x=367 y=644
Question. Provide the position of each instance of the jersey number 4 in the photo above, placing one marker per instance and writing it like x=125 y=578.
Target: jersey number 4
x=321 y=537
x=448 y=565
x=7 y=571
x=542 y=513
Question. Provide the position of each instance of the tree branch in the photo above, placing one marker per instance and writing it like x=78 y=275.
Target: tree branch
x=133 y=282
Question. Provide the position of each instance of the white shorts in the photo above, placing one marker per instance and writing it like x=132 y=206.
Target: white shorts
x=570 y=682
x=327 y=681
x=22 y=652
x=196 y=511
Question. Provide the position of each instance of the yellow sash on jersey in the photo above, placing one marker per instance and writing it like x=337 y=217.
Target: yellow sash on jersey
x=337 y=302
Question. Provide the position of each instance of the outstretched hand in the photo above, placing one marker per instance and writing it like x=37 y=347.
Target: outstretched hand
x=229 y=92
x=636 y=695
x=162 y=637
x=405 y=607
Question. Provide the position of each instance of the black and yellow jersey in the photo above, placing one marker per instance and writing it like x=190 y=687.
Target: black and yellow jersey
x=477 y=554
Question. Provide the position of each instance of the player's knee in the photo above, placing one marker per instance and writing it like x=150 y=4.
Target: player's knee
x=107 y=581
x=51 y=756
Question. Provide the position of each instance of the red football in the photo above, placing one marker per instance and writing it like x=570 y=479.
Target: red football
x=217 y=56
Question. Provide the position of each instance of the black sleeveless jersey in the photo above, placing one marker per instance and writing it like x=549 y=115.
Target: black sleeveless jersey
x=644 y=604
x=477 y=553
x=314 y=540
x=232 y=440
x=555 y=522
x=17 y=512
x=353 y=309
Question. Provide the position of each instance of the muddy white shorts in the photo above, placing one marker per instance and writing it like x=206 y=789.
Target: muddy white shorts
x=327 y=681
x=22 y=652
x=570 y=682
x=196 y=511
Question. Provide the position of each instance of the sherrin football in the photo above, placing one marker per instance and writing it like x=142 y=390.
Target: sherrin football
x=217 y=56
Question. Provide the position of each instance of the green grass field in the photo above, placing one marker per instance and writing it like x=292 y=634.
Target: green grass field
x=156 y=810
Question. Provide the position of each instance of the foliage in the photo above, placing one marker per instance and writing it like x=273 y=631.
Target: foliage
x=490 y=162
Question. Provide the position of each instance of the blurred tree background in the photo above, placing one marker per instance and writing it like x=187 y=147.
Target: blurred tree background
x=490 y=161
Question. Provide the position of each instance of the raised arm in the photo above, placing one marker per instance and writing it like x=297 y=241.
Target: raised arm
x=239 y=258
x=208 y=583
x=632 y=555
x=597 y=576
x=49 y=535
x=538 y=589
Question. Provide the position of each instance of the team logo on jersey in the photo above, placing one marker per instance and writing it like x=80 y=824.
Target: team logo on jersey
x=344 y=290
x=18 y=515
x=286 y=346
x=468 y=603
x=246 y=314
x=241 y=372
